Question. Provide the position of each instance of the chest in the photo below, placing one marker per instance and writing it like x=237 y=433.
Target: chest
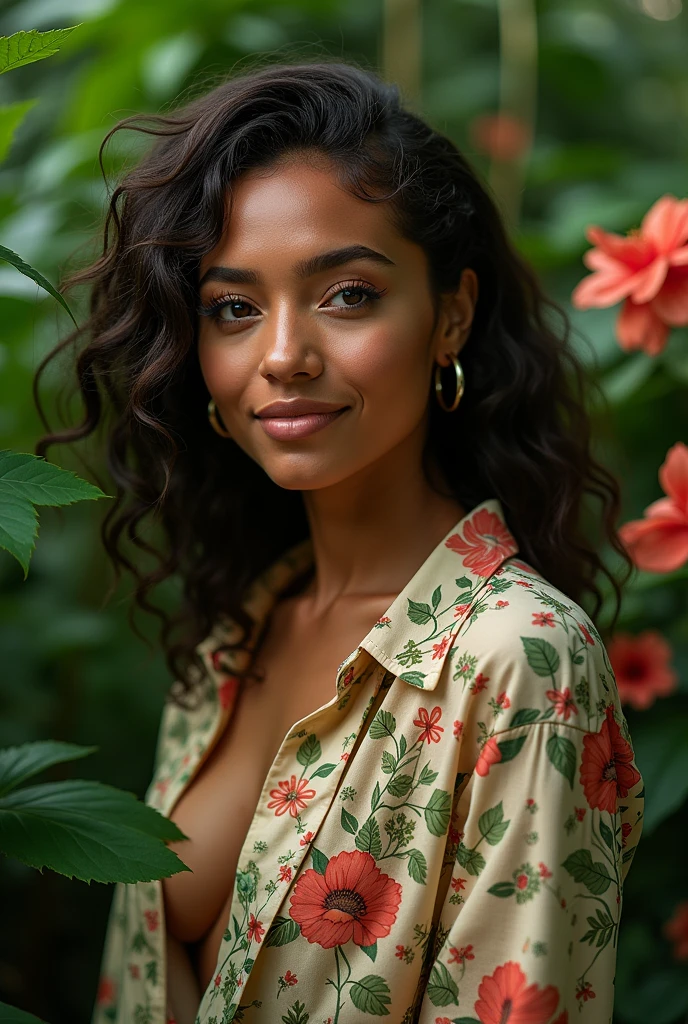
x=295 y=667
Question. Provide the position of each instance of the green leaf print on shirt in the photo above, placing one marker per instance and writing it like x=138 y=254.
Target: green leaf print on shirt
x=542 y=657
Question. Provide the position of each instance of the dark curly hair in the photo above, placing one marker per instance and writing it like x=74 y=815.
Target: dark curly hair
x=521 y=434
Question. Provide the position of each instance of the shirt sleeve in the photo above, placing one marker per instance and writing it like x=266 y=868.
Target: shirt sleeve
x=535 y=864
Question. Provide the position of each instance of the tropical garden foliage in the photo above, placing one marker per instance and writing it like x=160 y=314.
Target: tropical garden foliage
x=577 y=120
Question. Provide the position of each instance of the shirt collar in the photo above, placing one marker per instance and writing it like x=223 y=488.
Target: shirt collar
x=414 y=636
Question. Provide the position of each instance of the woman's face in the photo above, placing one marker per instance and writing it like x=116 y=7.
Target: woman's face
x=298 y=317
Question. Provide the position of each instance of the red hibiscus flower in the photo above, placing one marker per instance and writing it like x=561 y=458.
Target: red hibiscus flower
x=255 y=929
x=489 y=755
x=648 y=270
x=607 y=771
x=291 y=796
x=486 y=542
x=641 y=667
x=505 y=997
x=428 y=723
x=563 y=702
x=676 y=929
x=659 y=542
x=353 y=900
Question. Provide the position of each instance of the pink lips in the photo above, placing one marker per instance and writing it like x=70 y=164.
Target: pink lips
x=290 y=427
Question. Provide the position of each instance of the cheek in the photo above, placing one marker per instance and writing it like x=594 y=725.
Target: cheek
x=222 y=368
x=392 y=366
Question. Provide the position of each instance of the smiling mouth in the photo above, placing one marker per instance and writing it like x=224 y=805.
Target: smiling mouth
x=289 y=428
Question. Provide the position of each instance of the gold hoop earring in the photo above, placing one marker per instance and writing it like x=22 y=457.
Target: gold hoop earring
x=460 y=384
x=215 y=421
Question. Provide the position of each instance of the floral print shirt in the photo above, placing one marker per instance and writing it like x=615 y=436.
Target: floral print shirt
x=445 y=840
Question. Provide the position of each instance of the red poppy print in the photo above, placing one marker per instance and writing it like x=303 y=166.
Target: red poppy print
x=489 y=755
x=353 y=900
x=606 y=770
x=505 y=996
x=486 y=542
x=291 y=796
x=428 y=723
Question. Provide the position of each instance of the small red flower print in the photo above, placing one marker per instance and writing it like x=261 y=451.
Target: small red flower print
x=227 y=691
x=479 y=683
x=352 y=901
x=489 y=755
x=291 y=796
x=626 y=830
x=346 y=681
x=458 y=729
x=543 y=618
x=530 y=802
x=439 y=649
x=544 y=871
x=460 y=610
x=458 y=883
x=106 y=992
x=134 y=970
x=290 y=979
x=442 y=1020
x=344 y=757
x=218 y=980
x=585 y=992
x=580 y=812
x=384 y=620
x=152 y=920
x=522 y=583
x=586 y=634
x=285 y=873
x=503 y=996
x=502 y=604
x=428 y=723
x=255 y=929
x=486 y=542
x=642 y=669
x=457 y=956
x=400 y=952
x=503 y=701
x=308 y=838
x=564 y=703
x=676 y=930
x=607 y=771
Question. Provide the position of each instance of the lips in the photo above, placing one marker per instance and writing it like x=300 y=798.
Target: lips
x=287 y=428
x=296 y=407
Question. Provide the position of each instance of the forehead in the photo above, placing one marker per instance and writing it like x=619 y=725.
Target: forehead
x=294 y=205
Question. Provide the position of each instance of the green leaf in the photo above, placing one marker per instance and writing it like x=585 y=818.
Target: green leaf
x=472 y=860
x=414 y=678
x=368 y=839
x=11 y=1015
x=402 y=747
x=542 y=657
x=607 y=834
x=436 y=597
x=371 y=995
x=323 y=771
x=417 y=866
x=89 y=831
x=401 y=785
x=491 y=824
x=593 y=874
x=524 y=716
x=18 y=528
x=11 y=116
x=26 y=47
x=427 y=776
x=502 y=889
x=463 y=582
x=320 y=861
x=419 y=612
x=17 y=764
x=389 y=762
x=18 y=263
x=370 y=951
x=310 y=751
x=349 y=823
x=442 y=989
x=562 y=753
x=375 y=798
x=282 y=930
x=382 y=725
x=510 y=748
x=437 y=812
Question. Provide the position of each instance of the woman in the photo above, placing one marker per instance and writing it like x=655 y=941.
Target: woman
x=394 y=742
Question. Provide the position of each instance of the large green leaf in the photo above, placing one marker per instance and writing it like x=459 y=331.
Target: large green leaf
x=437 y=812
x=17 y=764
x=18 y=263
x=371 y=995
x=26 y=47
x=11 y=116
x=89 y=831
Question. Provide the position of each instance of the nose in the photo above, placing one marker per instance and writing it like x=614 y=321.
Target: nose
x=289 y=351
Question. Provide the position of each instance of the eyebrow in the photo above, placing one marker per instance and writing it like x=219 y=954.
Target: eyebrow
x=303 y=269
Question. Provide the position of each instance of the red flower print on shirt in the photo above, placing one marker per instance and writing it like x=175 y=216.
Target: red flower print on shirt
x=285 y=873
x=586 y=634
x=544 y=870
x=218 y=980
x=290 y=979
x=580 y=812
x=227 y=691
x=458 y=883
x=486 y=542
x=606 y=770
x=479 y=683
x=134 y=970
x=291 y=796
x=489 y=755
x=461 y=609
x=563 y=702
x=502 y=604
x=353 y=900
x=457 y=956
x=255 y=929
x=458 y=729
x=543 y=618
x=503 y=996
x=152 y=920
x=428 y=723
x=106 y=992
x=585 y=992
x=503 y=701
x=626 y=830
x=439 y=649
x=308 y=838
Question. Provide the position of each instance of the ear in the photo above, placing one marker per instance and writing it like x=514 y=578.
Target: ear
x=456 y=318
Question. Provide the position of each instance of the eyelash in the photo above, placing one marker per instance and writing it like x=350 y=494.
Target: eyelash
x=215 y=306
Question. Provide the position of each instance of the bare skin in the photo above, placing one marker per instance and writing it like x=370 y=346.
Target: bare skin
x=373 y=516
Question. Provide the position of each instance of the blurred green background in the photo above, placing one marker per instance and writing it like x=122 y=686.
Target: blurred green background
x=606 y=85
